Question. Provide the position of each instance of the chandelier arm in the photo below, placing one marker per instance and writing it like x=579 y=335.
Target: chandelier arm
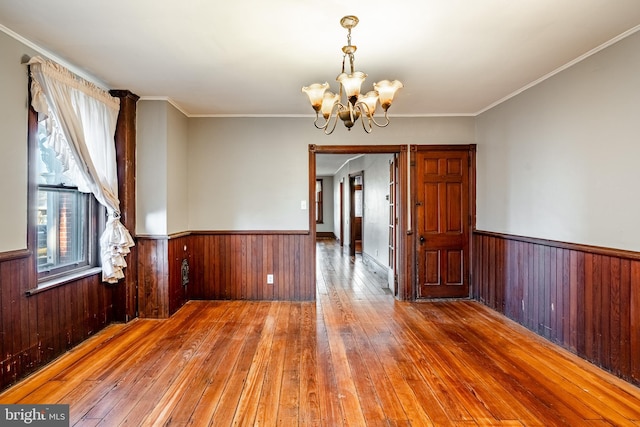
x=336 y=108
x=366 y=120
x=380 y=125
x=365 y=123
x=335 y=122
x=315 y=123
x=365 y=110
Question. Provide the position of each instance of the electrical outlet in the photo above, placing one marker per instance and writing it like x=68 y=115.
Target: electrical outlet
x=269 y=279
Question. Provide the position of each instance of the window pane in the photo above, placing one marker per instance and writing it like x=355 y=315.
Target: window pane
x=69 y=222
x=62 y=228
x=358 y=203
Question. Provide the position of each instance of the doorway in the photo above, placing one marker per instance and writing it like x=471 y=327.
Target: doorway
x=356 y=212
x=433 y=212
x=380 y=233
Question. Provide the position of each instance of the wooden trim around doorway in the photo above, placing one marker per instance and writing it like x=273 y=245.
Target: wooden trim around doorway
x=405 y=253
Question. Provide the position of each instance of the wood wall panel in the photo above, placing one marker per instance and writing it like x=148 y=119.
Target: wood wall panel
x=160 y=289
x=583 y=298
x=224 y=266
x=179 y=249
x=234 y=265
x=153 y=278
x=39 y=327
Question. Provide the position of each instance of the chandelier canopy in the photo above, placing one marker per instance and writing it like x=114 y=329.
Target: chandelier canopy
x=331 y=105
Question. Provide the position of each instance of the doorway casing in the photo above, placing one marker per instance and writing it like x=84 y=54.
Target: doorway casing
x=404 y=251
x=406 y=241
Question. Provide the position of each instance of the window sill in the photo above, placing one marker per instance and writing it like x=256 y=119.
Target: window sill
x=59 y=281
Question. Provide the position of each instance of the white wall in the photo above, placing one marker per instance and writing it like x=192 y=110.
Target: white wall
x=13 y=144
x=252 y=173
x=560 y=161
x=375 y=230
x=177 y=172
x=247 y=174
x=161 y=169
x=151 y=168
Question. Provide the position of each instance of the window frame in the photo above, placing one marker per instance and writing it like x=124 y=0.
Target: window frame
x=96 y=220
x=89 y=244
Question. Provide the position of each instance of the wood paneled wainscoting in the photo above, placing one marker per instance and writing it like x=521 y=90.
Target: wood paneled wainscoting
x=224 y=265
x=161 y=291
x=235 y=265
x=39 y=325
x=584 y=298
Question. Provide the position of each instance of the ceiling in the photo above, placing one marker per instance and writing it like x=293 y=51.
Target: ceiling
x=329 y=164
x=251 y=57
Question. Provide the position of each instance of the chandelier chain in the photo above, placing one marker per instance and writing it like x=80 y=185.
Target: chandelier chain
x=350 y=52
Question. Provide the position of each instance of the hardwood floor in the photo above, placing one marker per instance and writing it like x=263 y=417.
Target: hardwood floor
x=354 y=357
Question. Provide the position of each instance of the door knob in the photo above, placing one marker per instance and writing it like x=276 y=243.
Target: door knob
x=422 y=239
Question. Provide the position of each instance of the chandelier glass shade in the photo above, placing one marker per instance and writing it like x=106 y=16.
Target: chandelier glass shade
x=355 y=105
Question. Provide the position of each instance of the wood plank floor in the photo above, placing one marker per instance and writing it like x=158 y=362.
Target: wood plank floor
x=354 y=357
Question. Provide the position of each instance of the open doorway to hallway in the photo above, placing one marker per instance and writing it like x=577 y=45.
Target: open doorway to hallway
x=359 y=201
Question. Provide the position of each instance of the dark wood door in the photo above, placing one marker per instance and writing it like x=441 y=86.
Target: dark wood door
x=443 y=222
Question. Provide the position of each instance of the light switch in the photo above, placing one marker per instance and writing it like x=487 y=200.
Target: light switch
x=303 y=205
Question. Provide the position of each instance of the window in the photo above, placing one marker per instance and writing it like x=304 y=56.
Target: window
x=319 y=207
x=68 y=220
x=358 y=202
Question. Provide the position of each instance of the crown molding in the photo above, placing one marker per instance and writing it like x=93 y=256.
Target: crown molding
x=562 y=68
x=166 y=99
x=71 y=67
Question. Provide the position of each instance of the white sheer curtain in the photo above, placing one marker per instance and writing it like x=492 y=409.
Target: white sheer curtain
x=81 y=119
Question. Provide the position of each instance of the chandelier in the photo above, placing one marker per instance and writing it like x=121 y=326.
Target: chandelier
x=331 y=106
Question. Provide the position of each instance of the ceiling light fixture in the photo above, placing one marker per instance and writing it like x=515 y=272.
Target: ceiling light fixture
x=330 y=105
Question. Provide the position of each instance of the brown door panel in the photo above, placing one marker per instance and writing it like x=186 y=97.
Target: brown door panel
x=442 y=214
